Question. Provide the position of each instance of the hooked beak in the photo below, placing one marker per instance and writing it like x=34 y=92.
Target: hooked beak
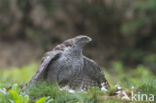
x=90 y=39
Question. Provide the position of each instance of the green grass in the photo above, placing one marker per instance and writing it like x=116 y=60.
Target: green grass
x=11 y=81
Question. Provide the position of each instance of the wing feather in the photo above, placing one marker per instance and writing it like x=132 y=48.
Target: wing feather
x=94 y=72
x=47 y=59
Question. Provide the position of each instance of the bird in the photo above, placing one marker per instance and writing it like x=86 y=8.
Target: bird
x=66 y=65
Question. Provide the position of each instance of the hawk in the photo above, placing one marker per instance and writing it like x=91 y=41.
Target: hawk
x=66 y=65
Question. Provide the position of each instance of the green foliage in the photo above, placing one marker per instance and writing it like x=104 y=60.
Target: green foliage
x=50 y=6
x=145 y=13
x=14 y=96
x=43 y=92
x=44 y=100
x=129 y=29
x=5 y=5
x=16 y=75
x=45 y=89
x=141 y=78
x=23 y=4
x=150 y=61
x=150 y=4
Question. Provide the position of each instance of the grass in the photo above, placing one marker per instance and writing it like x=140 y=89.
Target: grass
x=11 y=80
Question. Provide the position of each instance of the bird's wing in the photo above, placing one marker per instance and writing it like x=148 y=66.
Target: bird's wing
x=93 y=71
x=47 y=59
x=65 y=44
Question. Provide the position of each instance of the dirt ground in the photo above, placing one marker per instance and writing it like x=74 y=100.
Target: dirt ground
x=17 y=54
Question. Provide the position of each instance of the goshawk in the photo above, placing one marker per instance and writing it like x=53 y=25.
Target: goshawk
x=66 y=65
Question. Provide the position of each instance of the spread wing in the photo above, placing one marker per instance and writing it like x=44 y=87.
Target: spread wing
x=47 y=59
x=93 y=71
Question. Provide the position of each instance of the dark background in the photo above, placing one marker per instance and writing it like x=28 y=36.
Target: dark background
x=122 y=30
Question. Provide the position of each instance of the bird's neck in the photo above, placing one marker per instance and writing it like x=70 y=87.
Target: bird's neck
x=75 y=52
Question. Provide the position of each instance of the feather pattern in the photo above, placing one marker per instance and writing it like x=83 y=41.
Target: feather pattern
x=67 y=65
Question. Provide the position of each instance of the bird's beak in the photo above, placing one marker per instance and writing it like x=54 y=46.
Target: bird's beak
x=90 y=39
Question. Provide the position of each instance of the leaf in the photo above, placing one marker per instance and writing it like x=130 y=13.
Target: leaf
x=26 y=99
x=15 y=96
x=41 y=100
x=48 y=99
x=15 y=88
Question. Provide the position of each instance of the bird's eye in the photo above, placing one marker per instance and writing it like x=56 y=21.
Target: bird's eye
x=84 y=38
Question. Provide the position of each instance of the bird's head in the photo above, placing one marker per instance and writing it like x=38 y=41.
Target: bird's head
x=82 y=40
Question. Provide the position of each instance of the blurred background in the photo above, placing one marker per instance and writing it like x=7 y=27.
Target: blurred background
x=122 y=30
